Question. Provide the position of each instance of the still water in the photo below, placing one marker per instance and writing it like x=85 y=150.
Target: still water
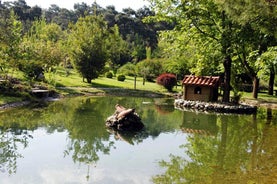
x=67 y=142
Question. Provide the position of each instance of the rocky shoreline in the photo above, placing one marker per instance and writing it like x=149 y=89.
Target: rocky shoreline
x=14 y=105
x=215 y=107
x=26 y=102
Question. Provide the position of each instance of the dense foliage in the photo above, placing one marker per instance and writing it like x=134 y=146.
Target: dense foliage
x=126 y=36
x=200 y=37
x=121 y=78
x=216 y=37
x=167 y=80
x=88 y=46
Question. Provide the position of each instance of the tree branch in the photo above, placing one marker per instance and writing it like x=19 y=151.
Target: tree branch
x=203 y=32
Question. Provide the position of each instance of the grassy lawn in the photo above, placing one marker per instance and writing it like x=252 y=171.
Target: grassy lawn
x=70 y=82
x=261 y=97
x=74 y=80
x=129 y=83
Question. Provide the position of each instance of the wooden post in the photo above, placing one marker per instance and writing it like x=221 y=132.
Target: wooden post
x=135 y=82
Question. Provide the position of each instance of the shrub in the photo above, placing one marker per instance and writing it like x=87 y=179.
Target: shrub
x=109 y=75
x=128 y=69
x=149 y=69
x=121 y=78
x=167 y=80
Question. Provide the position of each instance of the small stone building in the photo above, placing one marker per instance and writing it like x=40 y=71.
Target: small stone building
x=201 y=88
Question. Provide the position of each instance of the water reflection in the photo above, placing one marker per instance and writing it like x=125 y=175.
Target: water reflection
x=190 y=147
x=225 y=149
x=10 y=139
x=83 y=119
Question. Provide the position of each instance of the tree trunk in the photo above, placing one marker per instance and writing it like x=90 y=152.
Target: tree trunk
x=227 y=79
x=89 y=80
x=268 y=115
x=226 y=44
x=271 y=82
x=256 y=82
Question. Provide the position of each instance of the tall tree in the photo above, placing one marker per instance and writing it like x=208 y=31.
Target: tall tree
x=40 y=49
x=109 y=15
x=267 y=66
x=60 y=16
x=118 y=52
x=10 y=38
x=138 y=33
x=88 y=44
x=25 y=13
x=200 y=19
x=258 y=31
x=82 y=9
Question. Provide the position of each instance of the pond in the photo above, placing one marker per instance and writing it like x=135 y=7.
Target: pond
x=67 y=142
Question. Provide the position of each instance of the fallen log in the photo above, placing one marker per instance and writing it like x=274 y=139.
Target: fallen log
x=124 y=119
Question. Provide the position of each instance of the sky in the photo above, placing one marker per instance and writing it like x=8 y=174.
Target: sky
x=68 y=4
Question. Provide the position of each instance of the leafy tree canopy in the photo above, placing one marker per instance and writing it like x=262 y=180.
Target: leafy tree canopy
x=88 y=42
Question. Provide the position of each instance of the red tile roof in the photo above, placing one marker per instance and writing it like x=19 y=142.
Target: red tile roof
x=201 y=80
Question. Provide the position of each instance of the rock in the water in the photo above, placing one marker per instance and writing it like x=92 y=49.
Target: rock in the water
x=124 y=119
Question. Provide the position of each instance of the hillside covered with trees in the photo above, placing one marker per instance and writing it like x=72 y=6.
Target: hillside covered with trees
x=236 y=40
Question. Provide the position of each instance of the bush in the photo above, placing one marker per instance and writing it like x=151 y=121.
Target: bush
x=167 y=80
x=121 y=78
x=109 y=75
x=128 y=69
x=149 y=69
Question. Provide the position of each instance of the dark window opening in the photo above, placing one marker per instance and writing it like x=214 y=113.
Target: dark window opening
x=197 y=90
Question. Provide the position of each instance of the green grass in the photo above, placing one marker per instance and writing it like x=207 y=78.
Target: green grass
x=70 y=82
x=128 y=83
x=60 y=79
x=261 y=97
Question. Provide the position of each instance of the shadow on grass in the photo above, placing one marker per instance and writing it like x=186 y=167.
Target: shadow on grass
x=97 y=85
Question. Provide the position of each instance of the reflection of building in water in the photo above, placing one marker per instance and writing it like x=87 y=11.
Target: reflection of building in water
x=204 y=124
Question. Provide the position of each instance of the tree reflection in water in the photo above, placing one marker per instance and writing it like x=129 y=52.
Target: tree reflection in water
x=84 y=121
x=240 y=149
x=221 y=148
x=10 y=139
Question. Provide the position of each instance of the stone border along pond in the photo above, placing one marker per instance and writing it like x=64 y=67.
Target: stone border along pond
x=214 y=107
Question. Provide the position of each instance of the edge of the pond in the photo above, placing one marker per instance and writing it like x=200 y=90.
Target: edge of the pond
x=125 y=92
x=103 y=92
